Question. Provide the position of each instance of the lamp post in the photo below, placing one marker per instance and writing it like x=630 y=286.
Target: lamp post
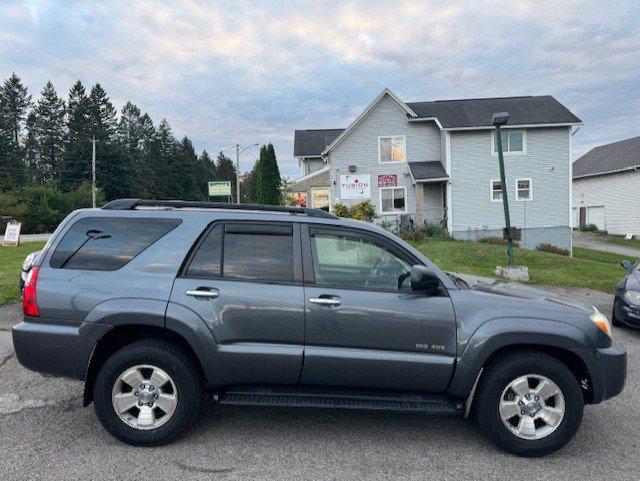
x=499 y=119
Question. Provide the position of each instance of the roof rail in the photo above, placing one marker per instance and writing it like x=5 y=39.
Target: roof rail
x=132 y=204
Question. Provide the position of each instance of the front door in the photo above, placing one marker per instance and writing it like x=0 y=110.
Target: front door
x=365 y=327
x=245 y=281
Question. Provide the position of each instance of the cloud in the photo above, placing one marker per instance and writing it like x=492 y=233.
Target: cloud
x=239 y=71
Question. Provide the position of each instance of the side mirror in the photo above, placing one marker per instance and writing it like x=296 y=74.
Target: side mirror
x=627 y=265
x=424 y=280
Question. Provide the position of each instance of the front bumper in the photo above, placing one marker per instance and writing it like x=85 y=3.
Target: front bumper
x=623 y=312
x=50 y=346
x=613 y=362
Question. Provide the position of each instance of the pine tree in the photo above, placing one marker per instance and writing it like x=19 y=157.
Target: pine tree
x=248 y=185
x=207 y=170
x=15 y=101
x=50 y=128
x=102 y=115
x=76 y=164
x=144 y=170
x=32 y=151
x=269 y=181
x=225 y=170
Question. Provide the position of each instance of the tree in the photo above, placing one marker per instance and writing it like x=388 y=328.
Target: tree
x=15 y=102
x=268 y=182
x=32 y=151
x=207 y=170
x=76 y=163
x=50 y=128
x=248 y=185
x=225 y=170
x=102 y=115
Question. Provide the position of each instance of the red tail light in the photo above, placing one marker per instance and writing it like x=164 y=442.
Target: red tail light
x=29 y=301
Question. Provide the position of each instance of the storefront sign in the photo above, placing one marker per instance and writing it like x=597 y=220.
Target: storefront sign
x=387 y=180
x=220 y=188
x=320 y=197
x=12 y=234
x=299 y=198
x=355 y=186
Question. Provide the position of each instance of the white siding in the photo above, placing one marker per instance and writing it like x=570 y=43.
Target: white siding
x=360 y=148
x=620 y=196
x=546 y=163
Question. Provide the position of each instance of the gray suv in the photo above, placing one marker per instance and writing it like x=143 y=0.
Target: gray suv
x=152 y=302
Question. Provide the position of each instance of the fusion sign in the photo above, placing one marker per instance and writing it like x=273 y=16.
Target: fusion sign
x=355 y=186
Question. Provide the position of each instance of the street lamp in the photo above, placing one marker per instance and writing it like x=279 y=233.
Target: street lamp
x=500 y=119
x=239 y=150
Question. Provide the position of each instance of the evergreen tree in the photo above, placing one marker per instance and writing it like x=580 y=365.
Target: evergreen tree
x=190 y=176
x=50 y=128
x=32 y=151
x=15 y=102
x=102 y=115
x=248 y=185
x=268 y=181
x=225 y=170
x=76 y=164
x=207 y=170
x=145 y=168
x=165 y=171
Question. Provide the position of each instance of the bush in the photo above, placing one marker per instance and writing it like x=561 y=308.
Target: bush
x=546 y=247
x=428 y=230
x=42 y=208
x=500 y=241
x=361 y=211
x=589 y=228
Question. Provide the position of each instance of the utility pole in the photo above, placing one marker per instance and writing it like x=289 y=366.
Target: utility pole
x=93 y=172
x=500 y=119
x=239 y=150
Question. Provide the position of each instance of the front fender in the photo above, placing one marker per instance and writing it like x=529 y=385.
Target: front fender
x=504 y=332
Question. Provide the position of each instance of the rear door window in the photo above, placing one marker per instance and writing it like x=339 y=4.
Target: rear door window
x=246 y=251
x=108 y=243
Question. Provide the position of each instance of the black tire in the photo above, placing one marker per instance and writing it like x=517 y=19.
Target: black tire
x=177 y=364
x=496 y=378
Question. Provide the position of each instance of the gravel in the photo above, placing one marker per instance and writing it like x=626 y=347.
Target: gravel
x=46 y=433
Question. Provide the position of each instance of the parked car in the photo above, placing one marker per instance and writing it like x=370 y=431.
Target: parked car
x=148 y=302
x=29 y=261
x=626 y=304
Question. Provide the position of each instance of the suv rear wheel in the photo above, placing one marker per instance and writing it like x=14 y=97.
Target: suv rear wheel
x=148 y=393
x=529 y=404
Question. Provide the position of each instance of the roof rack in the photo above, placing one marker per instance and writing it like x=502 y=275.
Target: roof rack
x=132 y=204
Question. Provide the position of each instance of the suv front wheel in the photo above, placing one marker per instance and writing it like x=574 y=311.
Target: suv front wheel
x=148 y=393
x=529 y=403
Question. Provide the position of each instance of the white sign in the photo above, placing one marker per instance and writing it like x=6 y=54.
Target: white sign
x=220 y=188
x=355 y=186
x=12 y=234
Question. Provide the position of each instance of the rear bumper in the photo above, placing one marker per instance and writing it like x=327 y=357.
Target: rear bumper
x=50 y=346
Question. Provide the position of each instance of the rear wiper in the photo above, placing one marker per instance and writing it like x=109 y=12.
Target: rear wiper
x=91 y=234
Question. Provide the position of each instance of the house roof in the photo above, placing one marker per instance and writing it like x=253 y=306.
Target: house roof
x=311 y=143
x=605 y=159
x=427 y=170
x=468 y=113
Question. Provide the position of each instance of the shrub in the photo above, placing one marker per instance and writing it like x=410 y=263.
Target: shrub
x=361 y=211
x=493 y=240
x=589 y=228
x=428 y=230
x=546 y=247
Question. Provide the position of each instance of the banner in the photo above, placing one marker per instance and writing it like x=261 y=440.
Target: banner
x=12 y=234
x=387 y=180
x=220 y=188
x=319 y=197
x=355 y=186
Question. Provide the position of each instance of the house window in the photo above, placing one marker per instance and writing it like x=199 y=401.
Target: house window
x=392 y=149
x=512 y=141
x=393 y=199
x=523 y=189
x=496 y=191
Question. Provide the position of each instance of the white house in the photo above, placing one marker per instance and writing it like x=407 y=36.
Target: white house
x=606 y=188
x=437 y=161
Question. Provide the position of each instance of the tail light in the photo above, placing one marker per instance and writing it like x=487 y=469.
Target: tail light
x=29 y=301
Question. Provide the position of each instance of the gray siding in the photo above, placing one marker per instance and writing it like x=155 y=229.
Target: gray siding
x=360 y=147
x=531 y=237
x=433 y=205
x=546 y=162
x=310 y=165
x=620 y=196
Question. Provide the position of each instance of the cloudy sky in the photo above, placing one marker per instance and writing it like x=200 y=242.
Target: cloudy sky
x=235 y=71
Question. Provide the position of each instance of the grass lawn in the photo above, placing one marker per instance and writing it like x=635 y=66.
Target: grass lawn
x=621 y=241
x=11 y=259
x=588 y=268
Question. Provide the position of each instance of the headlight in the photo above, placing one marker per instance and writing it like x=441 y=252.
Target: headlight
x=601 y=321
x=632 y=297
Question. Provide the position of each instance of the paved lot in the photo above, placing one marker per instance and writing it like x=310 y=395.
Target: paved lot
x=31 y=238
x=45 y=433
x=591 y=241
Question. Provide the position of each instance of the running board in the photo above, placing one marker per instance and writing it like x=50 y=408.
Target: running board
x=339 y=400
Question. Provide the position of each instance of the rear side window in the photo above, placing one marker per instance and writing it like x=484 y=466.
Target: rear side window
x=108 y=243
x=245 y=251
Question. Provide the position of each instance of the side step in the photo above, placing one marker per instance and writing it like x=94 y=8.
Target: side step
x=305 y=398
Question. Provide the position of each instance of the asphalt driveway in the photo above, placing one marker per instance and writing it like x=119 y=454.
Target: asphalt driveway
x=45 y=433
x=589 y=240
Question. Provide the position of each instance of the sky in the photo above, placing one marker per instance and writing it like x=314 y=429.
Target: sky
x=227 y=72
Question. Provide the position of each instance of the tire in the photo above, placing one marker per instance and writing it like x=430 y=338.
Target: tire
x=151 y=359
x=497 y=385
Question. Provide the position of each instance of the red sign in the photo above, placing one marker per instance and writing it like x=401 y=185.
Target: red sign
x=387 y=180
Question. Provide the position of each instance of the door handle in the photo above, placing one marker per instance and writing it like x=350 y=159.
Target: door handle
x=203 y=293
x=326 y=301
